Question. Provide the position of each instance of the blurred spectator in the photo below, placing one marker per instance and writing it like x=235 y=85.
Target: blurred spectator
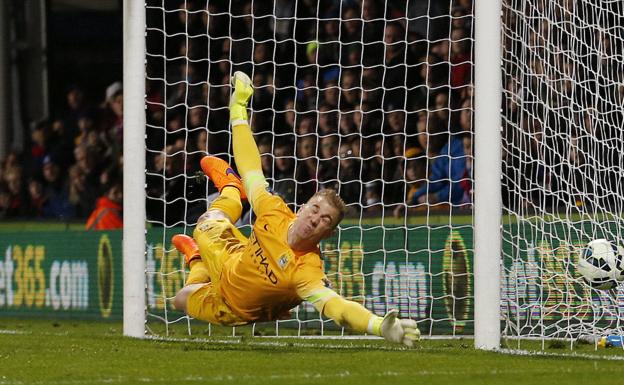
x=328 y=121
x=38 y=150
x=82 y=195
x=107 y=214
x=328 y=164
x=350 y=96
x=77 y=107
x=56 y=191
x=111 y=122
x=266 y=158
x=448 y=167
x=347 y=86
x=372 y=197
x=284 y=183
x=14 y=204
x=60 y=144
x=37 y=200
x=349 y=176
x=306 y=168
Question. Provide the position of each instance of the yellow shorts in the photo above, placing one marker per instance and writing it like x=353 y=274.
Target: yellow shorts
x=218 y=240
x=207 y=304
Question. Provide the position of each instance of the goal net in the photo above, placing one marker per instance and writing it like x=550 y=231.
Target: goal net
x=372 y=99
x=562 y=163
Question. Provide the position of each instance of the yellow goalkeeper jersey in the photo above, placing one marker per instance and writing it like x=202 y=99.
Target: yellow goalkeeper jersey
x=267 y=278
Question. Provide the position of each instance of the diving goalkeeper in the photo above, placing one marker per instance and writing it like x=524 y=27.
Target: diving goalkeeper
x=236 y=280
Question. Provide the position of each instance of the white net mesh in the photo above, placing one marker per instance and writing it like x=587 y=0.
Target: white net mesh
x=370 y=98
x=562 y=162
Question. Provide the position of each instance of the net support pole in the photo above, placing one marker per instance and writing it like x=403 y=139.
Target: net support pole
x=487 y=174
x=134 y=169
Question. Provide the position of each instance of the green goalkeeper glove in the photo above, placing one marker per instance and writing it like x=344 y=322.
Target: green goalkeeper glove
x=243 y=89
x=402 y=331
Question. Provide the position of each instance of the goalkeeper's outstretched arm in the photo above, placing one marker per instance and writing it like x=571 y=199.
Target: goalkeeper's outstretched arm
x=246 y=154
x=356 y=317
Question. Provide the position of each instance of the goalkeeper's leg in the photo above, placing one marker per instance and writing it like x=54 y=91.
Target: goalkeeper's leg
x=214 y=241
x=198 y=271
x=228 y=205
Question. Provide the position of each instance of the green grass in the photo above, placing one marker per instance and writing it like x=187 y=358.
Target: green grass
x=72 y=352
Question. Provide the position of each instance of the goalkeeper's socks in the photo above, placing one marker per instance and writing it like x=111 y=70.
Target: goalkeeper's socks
x=229 y=202
x=199 y=273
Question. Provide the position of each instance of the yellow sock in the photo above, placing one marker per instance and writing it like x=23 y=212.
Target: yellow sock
x=198 y=274
x=229 y=202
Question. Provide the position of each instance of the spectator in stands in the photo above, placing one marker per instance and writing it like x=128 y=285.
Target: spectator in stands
x=56 y=191
x=305 y=125
x=328 y=121
x=415 y=175
x=76 y=109
x=306 y=168
x=440 y=104
x=60 y=144
x=37 y=200
x=466 y=182
x=330 y=94
x=461 y=68
x=448 y=166
x=113 y=111
x=15 y=199
x=107 y=214
x=82 y=195
x=349 y=176
x=372 y=198
x=38 y=147
x=395 y=121
x=284 y=183
x=87 y=161
x=5 y=202
x=351 y=95
x=381 y=77
x=328 y=164
x=347 y=125
x=266 y=158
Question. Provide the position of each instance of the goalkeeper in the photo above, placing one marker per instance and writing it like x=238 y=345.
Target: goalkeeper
x=236 y=280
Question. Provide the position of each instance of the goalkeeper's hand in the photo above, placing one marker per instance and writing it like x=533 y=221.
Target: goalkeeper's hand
x=243 y=89
x=402 y=331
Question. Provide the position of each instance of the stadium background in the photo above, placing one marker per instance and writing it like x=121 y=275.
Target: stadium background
x=61 y=146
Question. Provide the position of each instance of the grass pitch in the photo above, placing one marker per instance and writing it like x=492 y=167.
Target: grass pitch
x=72 y=352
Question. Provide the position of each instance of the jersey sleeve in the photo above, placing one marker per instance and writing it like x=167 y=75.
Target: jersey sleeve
x=313 y=286
x=263 y=201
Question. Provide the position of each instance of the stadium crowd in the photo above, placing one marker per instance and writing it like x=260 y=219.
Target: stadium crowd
x=373 y=100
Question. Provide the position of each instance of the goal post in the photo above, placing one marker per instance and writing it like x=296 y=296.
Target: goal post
x=134 y=219
x=367 y=98
x=562 y=161
x=487 y=174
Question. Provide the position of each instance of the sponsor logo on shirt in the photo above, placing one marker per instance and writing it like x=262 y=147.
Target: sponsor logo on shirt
x=262 y=261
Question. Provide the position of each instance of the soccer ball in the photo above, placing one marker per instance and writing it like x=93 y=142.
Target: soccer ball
x=601 y=264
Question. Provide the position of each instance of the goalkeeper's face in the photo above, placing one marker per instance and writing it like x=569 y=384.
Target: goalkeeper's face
x=316 y=220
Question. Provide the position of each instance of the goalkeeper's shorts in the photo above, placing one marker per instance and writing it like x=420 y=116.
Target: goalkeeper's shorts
x=218 y=241
x=207 y=304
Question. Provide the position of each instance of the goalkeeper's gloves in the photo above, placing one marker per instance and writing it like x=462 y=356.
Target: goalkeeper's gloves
x=243 y=89
x=394 y=329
